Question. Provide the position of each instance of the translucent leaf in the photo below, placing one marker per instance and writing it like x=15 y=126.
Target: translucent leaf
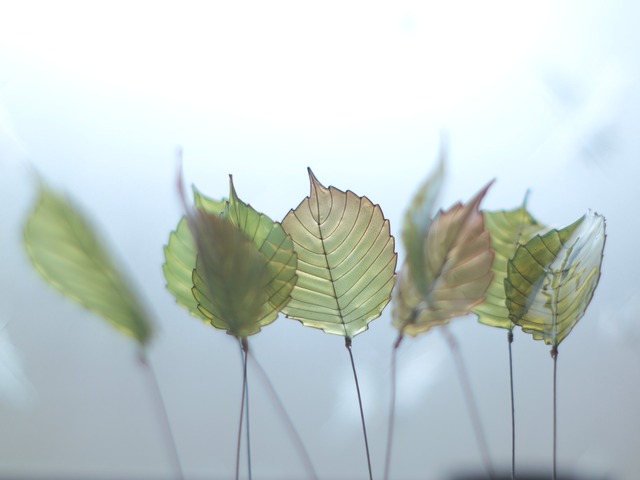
x=551 y=279
x=68 y=253
x=275 y=244
x=200 y=291
x=508 y=229
x=346 y=260
x=417 y=221
x=457 y=270
x=180 y=256
x=230 y=277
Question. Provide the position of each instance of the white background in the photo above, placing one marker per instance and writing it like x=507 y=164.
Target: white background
x=97 y=97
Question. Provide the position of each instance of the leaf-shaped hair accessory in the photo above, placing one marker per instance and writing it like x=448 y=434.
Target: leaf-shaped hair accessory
x=68 y=253
x=245 y=271
x=552 y=278
x=180 y=256
x=456 y=272
x=508 y=229
x=346 y=260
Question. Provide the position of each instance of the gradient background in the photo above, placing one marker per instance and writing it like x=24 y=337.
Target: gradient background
x=98 y=96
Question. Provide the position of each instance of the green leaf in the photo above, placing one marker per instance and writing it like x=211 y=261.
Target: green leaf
x=276 y=262
x=230 y=277
x=417 y=221
x=456 y=270
x=180 y=256
x=552 y=278
x=68 y=253
x=508 y=229
x=346 y=260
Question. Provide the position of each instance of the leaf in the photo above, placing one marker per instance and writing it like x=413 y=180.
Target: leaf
x=230 y=277
x=552 y=278
x=346 y=260
x=275 y=244
x=276 y=262
x=180 y=256
x=417 y=221
x=456 y=270
x=508 y=229
x=68 y=253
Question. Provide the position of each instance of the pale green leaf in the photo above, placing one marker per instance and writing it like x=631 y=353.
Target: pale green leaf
x=68 y=253
x=552 y=278
x=456 y=270
x=180 y=256
x=346 y=260
x=508 y=229
x=417 y=221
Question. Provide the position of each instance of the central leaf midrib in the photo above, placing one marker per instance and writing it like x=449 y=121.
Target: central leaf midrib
x=326 y=261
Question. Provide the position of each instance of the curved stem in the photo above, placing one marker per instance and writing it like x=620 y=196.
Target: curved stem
x=392 y=406
x=285 y=416
x=513 y=409
x=163 y=416
x=471 y=403
x=245 y=349
x=347 y=343
x=554 y=355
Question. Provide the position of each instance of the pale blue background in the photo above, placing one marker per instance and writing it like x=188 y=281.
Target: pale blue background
x=98 y=96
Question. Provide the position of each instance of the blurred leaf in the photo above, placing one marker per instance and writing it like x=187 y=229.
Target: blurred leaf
x=269 y=250
x=456 y=270
x=417 y=221
x=551 y=279
x=230 y=277
x=346 y=260
x=180 y=256
x=508 y=229
x=68 y=253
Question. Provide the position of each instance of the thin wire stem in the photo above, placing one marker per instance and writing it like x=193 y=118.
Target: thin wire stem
x=245 y=349
x=162 y=415
x=471 y=403
x=392 y=406
x=554 y=355
x=347 y=343
x=282 y=411
x=246 y=412
x=513 y=409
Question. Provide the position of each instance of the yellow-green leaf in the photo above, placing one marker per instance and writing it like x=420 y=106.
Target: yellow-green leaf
x=69 y=254
x=508 y=229
x=346 y=260
x=180 y=256
x=456 y=270
x=552 y=278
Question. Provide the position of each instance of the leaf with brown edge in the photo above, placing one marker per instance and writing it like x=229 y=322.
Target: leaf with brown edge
x=346 y=260
x=457 y=270
x=508 y=230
